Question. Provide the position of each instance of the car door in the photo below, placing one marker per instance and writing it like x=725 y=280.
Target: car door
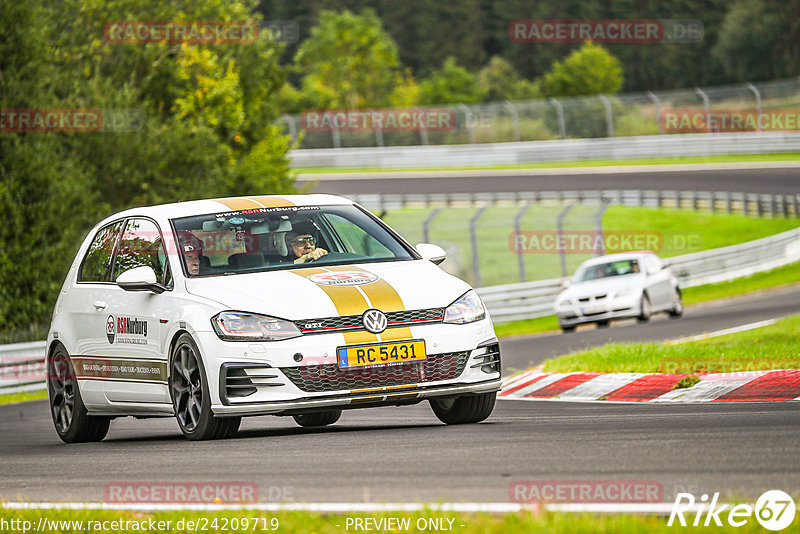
x=659 y=282
x=131 y=325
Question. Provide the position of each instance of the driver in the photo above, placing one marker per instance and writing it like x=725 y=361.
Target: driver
x=192 y=249
x=303 y=243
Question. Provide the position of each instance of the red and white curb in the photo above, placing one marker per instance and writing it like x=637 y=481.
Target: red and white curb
x=780 y=385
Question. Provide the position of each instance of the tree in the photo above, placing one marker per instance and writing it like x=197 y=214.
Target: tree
x=451 y=84
x=590 y=70
x=499 y=81
x=349 y=61
x=760 y=40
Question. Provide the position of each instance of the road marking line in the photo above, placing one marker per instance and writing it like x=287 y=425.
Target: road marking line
x=716 y=333
x=333 y=507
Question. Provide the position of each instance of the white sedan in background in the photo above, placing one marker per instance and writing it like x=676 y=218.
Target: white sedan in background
x=618 y=286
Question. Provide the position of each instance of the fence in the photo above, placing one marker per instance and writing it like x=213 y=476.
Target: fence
x=535 y=299
x=635 y=114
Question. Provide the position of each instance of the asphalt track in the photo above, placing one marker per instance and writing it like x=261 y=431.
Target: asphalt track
x=699 y=178
x=405 y=454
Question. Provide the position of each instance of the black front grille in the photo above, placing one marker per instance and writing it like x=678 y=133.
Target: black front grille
x=318 y=378
x=352 y=323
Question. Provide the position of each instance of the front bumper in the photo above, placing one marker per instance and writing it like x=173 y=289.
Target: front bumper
x=614 y=308
x=301 y=374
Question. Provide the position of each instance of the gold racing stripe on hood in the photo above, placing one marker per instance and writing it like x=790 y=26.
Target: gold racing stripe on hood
x=383 y=297
x=348 y=301
x=246 y=203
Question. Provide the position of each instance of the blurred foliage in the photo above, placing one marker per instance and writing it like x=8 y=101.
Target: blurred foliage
x=590 y=70
x=349 y=62
x=204 y=116
x=451 y=84
x=499 y=81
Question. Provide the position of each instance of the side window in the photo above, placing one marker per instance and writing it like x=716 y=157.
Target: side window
x=97 y=262
x=141 y=245
x=357 y=240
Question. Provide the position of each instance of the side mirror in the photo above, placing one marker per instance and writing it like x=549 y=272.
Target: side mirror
x=432 y=253
x=140 y=279
x=565 y=283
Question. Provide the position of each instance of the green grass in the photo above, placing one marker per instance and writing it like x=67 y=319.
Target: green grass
x=776 y=346
x=675 y=231
x=780 y=277
x=13 y=398
x=737 y=158
x=305 y=522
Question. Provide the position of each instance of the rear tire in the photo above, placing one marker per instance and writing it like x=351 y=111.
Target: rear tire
x=70 y=417
x=602 y=324
x=464 y=410
x=567 y=329
x=316 y=419
x=677 y=309
x=645 y=311
x=191 y=400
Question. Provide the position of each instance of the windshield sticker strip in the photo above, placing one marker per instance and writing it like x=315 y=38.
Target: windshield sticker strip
x=383 y=297
x=272 y=201
x=347 y=300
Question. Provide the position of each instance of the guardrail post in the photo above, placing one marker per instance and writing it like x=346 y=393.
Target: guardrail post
x=292 y=127
x=702 y=94
x=423 y=131
x=772 y=202
x=728 y=203
x=609 y=115
x=335 y=135
x=652 y=96
x=476 y=267
x=517 y=231
x=759 y=207
x=796 y=205
x=514 y=119
x=562 y=129
x=427 y=224
x=469 y=122
x=379 y=134
x=598 y=228
x=757 y=93
x=560 y=234
x=713 y=202
x=695 y=204
x=785 y=206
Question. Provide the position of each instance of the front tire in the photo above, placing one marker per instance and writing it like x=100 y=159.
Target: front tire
x=677 y=309
x=70 y=417
x=317 y=419
x=464 y=410
x=191 y=399
x=645 y=311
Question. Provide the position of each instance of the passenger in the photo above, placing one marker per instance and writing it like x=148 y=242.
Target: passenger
x=303 y=243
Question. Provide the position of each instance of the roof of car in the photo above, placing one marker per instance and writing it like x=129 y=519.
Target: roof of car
x=222 y=205
x=636 y=254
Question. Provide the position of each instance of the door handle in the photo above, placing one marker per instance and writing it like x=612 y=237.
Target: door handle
x=99 y=305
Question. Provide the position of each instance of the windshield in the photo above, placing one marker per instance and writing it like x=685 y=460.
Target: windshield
x=605 y=270
x=267 y=239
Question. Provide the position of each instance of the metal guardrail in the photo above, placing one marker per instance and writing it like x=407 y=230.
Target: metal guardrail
x=535 y=299
x=22 y=364
x=22 y=367
x=488 y=154
x=760 y=204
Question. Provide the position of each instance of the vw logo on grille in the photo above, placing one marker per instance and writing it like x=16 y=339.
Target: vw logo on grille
x=374 y=321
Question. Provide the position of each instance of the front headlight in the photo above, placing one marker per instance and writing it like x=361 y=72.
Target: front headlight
x=240 y=326
x=467 y=309
x=565 y=302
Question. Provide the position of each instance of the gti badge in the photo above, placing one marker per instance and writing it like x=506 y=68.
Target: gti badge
x=374 y=321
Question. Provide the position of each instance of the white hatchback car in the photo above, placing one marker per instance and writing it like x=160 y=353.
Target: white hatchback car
x=301 y=305
x=618 y=286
